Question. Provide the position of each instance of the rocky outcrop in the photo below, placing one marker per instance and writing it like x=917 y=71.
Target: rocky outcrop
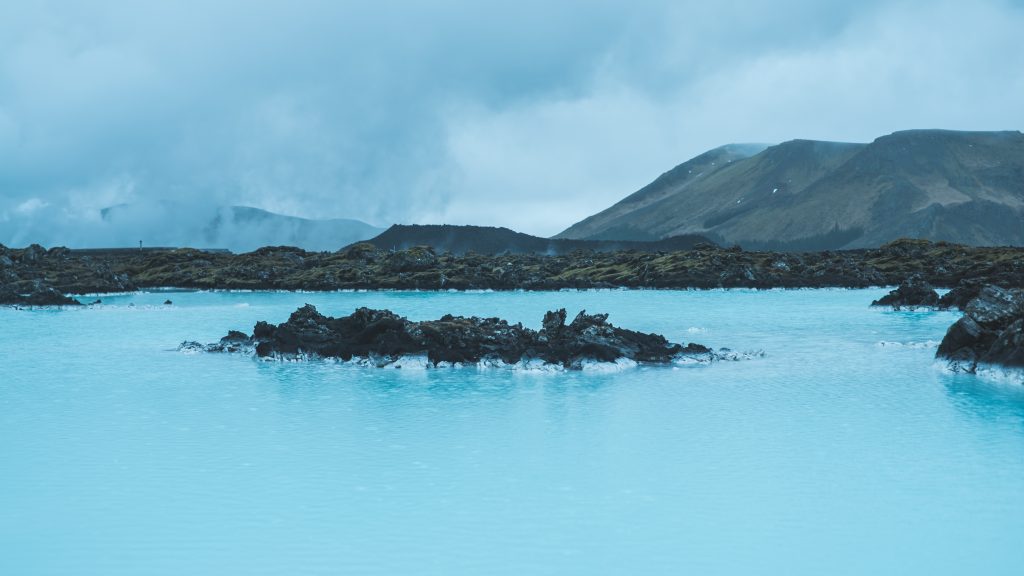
x=382 y=338
x=991 y=331
x=35 y=276
x=913 y=293
x=39 y=294
x=961 y=295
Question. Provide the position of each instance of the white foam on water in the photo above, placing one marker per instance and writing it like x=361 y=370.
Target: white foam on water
x=913 y=345
x=1002 y=374
x=535 y=366
x=619 y=365
x=421 y=362
x=418 y=362
x=988 y=372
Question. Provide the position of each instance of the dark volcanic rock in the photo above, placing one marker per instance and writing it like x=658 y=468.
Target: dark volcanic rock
x=958 y=297
x=235 y=341
x=590 y=336
x=382 y=337
x=364 y=266
x=488 y=240
x=991 y=331
x=914 y=292
x=39 y=295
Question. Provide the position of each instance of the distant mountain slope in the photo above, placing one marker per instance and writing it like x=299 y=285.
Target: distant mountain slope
x=965 y=187
x=614 y=224
x=170 y=223
x=263 y=228
x=489 y=240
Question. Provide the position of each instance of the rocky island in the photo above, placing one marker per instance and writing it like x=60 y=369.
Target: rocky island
x=912 y=293
x=382 y=338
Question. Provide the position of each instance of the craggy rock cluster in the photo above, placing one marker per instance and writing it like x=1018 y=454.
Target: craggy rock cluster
x=383 y=337
x=35 y=276
x=913 y=293
x=37 y=294
x=991 y=331
x=363 y=266
x=961 y=295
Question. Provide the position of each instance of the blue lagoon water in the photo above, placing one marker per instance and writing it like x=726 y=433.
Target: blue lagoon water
x=844 y=450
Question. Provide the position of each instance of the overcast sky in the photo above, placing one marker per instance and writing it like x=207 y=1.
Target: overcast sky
x=524 y=114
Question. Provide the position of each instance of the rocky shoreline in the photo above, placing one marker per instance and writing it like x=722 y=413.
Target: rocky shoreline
x=382 y=338
x=991 y=332
x=912 y=293
x=984 y=282
x=35 y=270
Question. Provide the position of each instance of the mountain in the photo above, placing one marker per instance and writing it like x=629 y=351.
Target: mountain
x=489 y=240
x=262 y=228
x=614 y=223
x=171 y=223
x=238 y=228
x=964 y=187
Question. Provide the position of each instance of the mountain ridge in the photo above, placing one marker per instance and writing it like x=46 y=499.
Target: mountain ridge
x=965 y=187
x=460 y=239
x=234 y=227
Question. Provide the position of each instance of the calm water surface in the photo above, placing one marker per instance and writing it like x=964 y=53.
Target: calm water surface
x=845 y=450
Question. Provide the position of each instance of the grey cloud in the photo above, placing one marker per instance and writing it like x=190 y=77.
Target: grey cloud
x=528 y=114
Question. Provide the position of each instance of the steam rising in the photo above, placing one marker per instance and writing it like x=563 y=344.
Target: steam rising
x=199 y=225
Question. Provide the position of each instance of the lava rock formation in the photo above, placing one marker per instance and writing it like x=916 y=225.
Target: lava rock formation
x=383 y=337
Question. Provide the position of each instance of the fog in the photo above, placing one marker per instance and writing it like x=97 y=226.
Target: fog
x=530 y=116
x=197 y=224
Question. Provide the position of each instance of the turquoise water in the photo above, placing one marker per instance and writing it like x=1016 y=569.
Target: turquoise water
x=833 y=454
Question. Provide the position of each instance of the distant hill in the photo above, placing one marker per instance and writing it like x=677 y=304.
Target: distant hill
x=965 y=187
x=321 y=235
x=171 y=223
x=489 y=240
x=237 y=228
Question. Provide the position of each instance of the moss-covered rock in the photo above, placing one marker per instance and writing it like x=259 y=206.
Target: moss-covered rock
x=364 y=267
